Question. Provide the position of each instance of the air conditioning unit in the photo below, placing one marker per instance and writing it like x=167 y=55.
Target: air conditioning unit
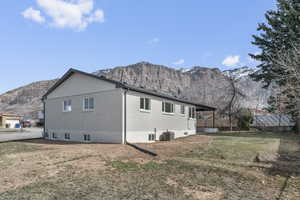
x=167 y=136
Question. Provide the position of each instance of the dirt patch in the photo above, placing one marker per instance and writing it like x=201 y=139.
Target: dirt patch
x=45 y=159
x=172 y=148
x=266 y=157
x=199 y=193
x=33 y=160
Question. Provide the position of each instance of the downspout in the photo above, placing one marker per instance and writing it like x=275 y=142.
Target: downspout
x=125 y=116
x=125 y=129
x=44 y=112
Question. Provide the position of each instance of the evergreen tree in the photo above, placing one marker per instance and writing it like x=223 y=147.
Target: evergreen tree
x=281 y=31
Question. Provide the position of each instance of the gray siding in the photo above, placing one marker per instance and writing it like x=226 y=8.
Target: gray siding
x=107 y=123
x=104 y=124
x=79 y=84
x=140 y=124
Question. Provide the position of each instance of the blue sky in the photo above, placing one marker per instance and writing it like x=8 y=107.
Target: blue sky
x=41 y=39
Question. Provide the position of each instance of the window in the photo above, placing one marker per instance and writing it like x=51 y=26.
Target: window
x=54 y=135
x=46 y=135
x=167 y=107
x=67 y=105
x=192 y=112
x=67 y=136
x=145 y=104
x=87 y=137
x=182 y=109
x=151 y=137
x=88 y=104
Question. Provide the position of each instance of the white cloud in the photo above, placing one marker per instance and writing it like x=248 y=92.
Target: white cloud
x=74 y=14
x=231 y=61
x=179 y=62
x=154 y=41
x=34 y=15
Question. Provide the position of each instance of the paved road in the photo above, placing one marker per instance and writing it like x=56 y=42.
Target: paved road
x=4 y=137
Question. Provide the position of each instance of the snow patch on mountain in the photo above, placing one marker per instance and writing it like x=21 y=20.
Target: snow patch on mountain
x=239 y=73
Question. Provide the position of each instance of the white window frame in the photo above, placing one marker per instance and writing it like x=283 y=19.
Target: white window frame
x=184 y=110
x=164 y=108
x=88 y=101
x=68 y=107
x=144 y=102
x=192 y=112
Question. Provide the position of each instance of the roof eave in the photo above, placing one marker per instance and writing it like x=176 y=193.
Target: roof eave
x=122 y=85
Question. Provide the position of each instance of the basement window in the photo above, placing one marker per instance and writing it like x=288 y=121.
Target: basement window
x=54 y=135
x=167 y=107
x=151 y=137
x=67 y=136
x=87 y=137
x=88 y=104
x=192 y=112
x=145 y=104
x=67 y=105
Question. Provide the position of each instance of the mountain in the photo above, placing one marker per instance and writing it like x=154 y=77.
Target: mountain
x=25 y=100
x=204 y=85
x=242 y=72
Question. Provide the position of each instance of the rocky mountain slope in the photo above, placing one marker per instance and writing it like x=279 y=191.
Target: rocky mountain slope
x=25 y=100
x=205 y=85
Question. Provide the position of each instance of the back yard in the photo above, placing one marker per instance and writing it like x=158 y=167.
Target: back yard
x=220 y=166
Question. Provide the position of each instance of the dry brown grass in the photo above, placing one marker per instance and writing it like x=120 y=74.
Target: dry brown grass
x=196 y=167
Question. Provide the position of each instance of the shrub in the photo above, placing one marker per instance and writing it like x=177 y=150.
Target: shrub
x=245 y=118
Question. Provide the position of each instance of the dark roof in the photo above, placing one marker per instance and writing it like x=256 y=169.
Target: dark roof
x=200 y=107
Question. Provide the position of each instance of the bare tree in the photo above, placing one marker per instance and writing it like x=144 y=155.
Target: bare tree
x=288 y=63
x=232 y=99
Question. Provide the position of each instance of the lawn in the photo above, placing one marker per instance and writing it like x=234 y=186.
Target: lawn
x=218 y=166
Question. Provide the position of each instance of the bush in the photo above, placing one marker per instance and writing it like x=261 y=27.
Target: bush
x=245 y=119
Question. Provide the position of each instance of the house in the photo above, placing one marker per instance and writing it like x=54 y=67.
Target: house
x=8 y=120
x=85 y=107
x=273 y=122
